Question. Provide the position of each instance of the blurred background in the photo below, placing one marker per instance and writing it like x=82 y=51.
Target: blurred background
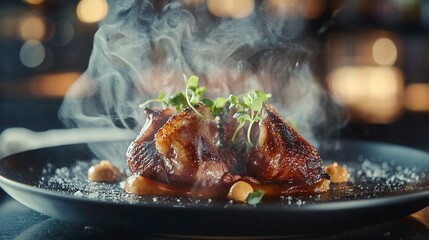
x=372 y=58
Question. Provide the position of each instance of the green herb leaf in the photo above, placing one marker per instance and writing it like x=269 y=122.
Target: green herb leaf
x=178 y=101
x=246 y=102
x=192 y=81
x=192 y=93
x=255 y=197
x=233 y=100
x=161 y=96
x=200 y=91
x=208 y=102
x=250 y=109
x=220 y=102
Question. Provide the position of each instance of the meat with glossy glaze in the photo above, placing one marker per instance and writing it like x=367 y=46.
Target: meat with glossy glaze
x=282 y=156
x=178 y=157
x=142 y=156
x=186 y=143
x=179 y=151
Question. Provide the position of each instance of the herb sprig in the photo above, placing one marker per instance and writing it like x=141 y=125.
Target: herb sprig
x=193 y=95
x=249 y=106
x=255 y=197
x=250 y=109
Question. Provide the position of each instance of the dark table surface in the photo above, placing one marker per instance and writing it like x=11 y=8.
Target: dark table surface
x=20 y=222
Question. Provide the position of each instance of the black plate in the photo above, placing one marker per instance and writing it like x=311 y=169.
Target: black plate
x=387 y=182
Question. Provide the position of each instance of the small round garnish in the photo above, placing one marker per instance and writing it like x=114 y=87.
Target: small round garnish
x=239 y=191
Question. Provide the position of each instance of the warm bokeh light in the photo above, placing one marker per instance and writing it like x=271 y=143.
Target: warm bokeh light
x=32 y=53
x=383 y=84
x=32 y=27
x=53 y=85
x=34 y=2
x=384 y=52
x=312 y=9
x=231 y=8
x=345 y=84
x=372 y=93
x=283 y=6
x=91 y=11
x=417 y=97
x=366 y=48
x=45 y=85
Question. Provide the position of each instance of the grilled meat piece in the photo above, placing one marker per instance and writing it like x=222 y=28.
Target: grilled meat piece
x=282 y=155
x=154 y=121
x=142 y=156
x=179 y=150
x=186 y=143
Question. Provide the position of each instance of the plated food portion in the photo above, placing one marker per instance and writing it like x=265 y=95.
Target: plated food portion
x=206 y=148
x=383 y=178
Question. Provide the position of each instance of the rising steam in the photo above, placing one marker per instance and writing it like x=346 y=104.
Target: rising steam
x=139 y=51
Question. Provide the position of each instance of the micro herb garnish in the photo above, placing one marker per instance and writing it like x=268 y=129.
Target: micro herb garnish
x=181 y=100
x=177 y=101
x=249 y=109
x=215 y=106
x=160 y=99
x=255 y=197
x=193 y=93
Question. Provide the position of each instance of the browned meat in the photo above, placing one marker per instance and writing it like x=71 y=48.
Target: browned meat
x=179 y=151
x=154 y=121
x=142 y=156
x=177 y=155
x=186 y=143
x=282 y=155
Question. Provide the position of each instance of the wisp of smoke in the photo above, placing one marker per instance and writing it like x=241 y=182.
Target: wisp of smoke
x=139 y=51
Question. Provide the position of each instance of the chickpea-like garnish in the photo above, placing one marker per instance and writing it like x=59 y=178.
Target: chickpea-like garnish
x=337 y=173
x=323 y=186
x=104 y=172
x=239 y=191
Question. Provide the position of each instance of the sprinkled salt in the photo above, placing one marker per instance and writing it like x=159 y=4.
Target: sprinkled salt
x=93 y=195
x=369 y=178
x=78 y=193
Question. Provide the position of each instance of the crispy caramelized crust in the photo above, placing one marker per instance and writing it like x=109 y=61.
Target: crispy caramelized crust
x=179 y=150
x=186 y=143
x=282 y=155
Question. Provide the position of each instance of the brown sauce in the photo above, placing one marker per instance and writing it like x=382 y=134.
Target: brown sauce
x=140 y=185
